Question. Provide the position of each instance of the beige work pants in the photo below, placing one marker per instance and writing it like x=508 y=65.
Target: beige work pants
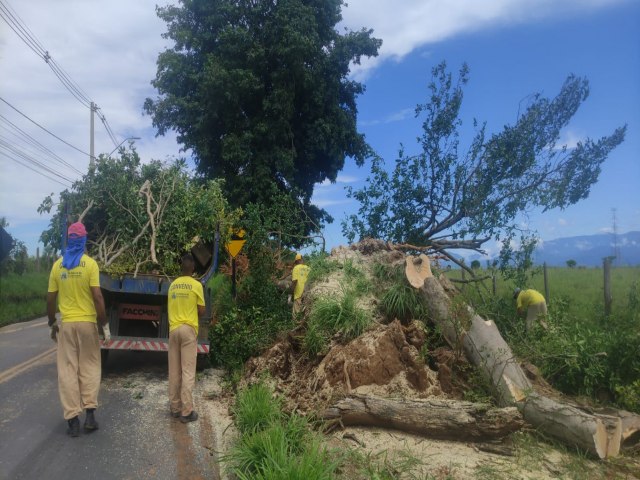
x=297 y=307
x=536 y=312
x=183 y=350
x=78 y=367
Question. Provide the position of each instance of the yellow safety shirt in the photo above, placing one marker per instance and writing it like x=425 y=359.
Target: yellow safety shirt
x=75 y=299
x=300 y=273
x=526 y=298
x=185 y=294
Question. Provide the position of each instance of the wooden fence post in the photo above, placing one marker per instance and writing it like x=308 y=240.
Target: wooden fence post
x=608 y=300
x=546 y=282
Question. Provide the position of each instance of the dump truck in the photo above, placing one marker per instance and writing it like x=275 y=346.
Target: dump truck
x=136 y=306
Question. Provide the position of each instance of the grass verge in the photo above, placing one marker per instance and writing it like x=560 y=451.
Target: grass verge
x=22 y=297
x=274 y=445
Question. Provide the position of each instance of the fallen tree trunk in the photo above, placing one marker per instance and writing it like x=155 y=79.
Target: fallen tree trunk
x=435 y=418
x=484 y=347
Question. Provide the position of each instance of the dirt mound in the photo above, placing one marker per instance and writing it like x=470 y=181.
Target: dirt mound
x=384 y=361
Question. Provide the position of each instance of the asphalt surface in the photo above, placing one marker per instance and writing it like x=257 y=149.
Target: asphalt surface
x=137 y=438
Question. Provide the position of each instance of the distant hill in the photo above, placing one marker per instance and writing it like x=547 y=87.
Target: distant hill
x=589 y=250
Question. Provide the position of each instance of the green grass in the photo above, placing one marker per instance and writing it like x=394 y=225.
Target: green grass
x=581 y=288
x=331 y=315
x=22 y=297
x=583 y=351
x=274 y=445
x=255 y=408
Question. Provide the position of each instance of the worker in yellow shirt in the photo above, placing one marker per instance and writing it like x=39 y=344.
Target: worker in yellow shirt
x=299 y=276
x=74 y=282
x=185 y=305
x=531 y=303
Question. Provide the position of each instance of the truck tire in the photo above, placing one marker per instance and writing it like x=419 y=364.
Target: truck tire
x=104 y=357
x=202 y=361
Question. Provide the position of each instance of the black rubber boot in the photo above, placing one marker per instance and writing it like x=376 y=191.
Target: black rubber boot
x=74 y=427
x=192 y=417
x=90 y=423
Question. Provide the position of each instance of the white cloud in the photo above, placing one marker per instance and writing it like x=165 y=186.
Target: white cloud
x=394 y=117
x=562 y=222
x=405 y=25
x=344 y=179
x=570 y=140
x=325 y=202
x=583 y=245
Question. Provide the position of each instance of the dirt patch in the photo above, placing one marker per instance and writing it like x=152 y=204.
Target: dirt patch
x=383 y=357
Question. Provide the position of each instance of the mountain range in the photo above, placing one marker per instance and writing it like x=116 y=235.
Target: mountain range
x=589 y=250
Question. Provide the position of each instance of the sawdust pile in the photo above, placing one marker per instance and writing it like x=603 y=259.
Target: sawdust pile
x=385 y=361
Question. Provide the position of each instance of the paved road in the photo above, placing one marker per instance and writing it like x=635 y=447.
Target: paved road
x=137 y=438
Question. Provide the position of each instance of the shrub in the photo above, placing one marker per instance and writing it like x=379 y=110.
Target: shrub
x=330 y=316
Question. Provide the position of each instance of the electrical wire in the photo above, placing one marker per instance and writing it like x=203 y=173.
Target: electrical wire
x=38 y=125
x=13 y=149
x=35 y=155
x=14 y=21
x=25 y=137
x=33 y=169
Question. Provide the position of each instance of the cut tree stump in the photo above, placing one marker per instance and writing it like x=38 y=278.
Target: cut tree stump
x=435 y=418
x=485 y=348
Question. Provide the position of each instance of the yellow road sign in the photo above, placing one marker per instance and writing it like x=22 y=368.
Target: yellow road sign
x=236 y=243
x=234 y=247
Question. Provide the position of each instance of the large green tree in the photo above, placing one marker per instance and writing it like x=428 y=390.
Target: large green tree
x=447 y=198
x=260 y=92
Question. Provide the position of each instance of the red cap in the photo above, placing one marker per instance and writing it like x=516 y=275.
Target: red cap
x=77 y=229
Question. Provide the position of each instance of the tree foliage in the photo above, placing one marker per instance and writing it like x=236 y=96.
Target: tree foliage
x=446 y=198
x=140 y=217
x=13 y=253
x=259 y=91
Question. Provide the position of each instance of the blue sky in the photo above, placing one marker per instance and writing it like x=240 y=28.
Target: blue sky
x=509 y=62
x=513 y=48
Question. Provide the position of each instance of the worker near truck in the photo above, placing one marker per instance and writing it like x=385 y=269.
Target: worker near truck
x=531 y=305
x=299 y=276
x=185 y=305
x=74 y=282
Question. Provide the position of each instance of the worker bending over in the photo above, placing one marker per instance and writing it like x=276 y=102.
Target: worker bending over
x=531 y=303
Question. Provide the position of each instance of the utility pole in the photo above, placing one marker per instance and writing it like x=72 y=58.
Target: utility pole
x=91 y=138
x=616 y=247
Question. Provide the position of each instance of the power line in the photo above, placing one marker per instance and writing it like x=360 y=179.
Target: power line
x=33 y=169
x=14 y=21
x=26 y=35
x=4 y=140
x=38 y=125
x=13 y=149
x=25 y=137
